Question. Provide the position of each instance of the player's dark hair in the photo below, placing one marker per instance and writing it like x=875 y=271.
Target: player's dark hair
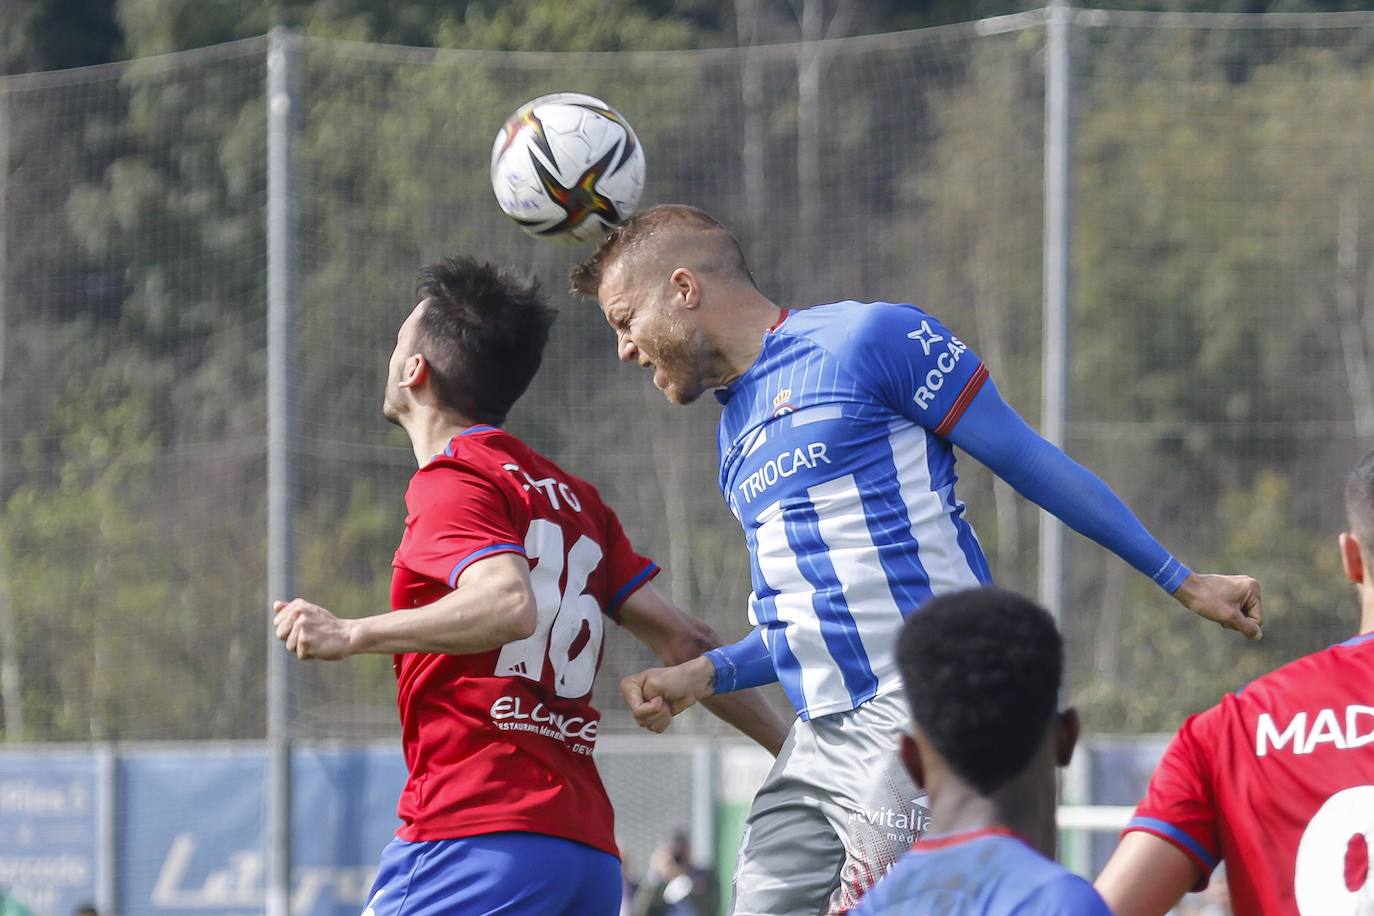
x=666 y=223
x=1359 y=501
x=483 y=333
x=982 y=670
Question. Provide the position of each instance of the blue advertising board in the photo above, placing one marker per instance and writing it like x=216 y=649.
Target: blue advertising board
x=48 y=829
x=1120 y=771
x=189 y=827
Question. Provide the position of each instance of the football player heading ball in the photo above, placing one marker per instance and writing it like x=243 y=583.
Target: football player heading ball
x=836 y=452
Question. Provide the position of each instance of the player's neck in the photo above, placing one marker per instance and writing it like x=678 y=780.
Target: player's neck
x=1366 y=615
x=738 y=341
x=1022 y=806
x=430 y=431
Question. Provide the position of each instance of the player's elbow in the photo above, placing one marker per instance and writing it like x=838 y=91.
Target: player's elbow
x=518 y=615
x=692 y=639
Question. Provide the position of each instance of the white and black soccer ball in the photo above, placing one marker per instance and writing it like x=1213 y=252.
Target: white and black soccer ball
x=567 y=166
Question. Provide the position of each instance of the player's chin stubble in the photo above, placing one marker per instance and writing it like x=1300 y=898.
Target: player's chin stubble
x=680 y=357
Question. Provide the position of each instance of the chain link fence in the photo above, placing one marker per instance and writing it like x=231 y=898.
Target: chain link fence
x=1222 y=329
x=1220 y=336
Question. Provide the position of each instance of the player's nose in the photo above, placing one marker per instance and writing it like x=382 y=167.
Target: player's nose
x=628 y=351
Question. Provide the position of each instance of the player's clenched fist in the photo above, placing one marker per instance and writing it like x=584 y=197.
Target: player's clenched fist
x=1232 y=601
x=656 y=695
x=311 y=631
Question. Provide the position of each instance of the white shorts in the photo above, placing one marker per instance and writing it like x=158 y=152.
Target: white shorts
x=835 y=813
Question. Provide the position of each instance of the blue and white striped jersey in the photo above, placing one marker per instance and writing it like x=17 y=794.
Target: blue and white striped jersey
x=833 y=458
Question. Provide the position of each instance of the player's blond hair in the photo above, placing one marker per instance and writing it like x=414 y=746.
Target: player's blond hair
x=660 y=231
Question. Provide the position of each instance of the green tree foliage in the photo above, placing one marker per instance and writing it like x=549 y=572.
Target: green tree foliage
x=1222 y=348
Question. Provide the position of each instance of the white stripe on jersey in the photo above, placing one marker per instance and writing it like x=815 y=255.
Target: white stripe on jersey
x=817 y=414
x=821 y=681
x=844 y=529
x=759 y=436
x=935 y=532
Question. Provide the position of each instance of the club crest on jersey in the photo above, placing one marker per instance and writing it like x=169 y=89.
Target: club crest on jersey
x=935 y=378
x=781 y=403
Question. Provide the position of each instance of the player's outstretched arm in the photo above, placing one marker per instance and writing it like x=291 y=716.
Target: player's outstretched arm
x=919 y=368
x=1146 y=876
x=491 y=606
x=679 y=640
x=992 y=432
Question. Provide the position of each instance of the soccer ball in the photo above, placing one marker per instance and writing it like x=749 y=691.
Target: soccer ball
x=567 y=166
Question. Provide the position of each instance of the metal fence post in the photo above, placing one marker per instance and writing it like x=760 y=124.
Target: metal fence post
x=703 y=806
x=106 y=827
x=1055 y=354
x=280 y=565
x=11 y=703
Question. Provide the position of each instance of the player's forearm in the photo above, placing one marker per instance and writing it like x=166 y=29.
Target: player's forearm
x=463 y=622
x=747 y=710
x=1146 y=876
x=750 y=712
x=743 y=664
x=996 y=435
x=681 y=642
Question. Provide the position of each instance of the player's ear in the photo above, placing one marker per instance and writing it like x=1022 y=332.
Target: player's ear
x=414 y=372
x=1352 y=558
x=686 y=289
x=911 y=759
x=1066 y=731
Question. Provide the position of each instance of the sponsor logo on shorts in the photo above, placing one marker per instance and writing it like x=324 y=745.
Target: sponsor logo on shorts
x=901 y=824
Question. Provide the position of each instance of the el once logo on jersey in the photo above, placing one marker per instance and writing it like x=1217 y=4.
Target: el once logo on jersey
x=944 y=364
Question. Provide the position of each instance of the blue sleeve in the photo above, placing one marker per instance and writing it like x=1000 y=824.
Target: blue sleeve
x=744 y=664
x=993 y=433
x=913 y=364
x=1067 y=895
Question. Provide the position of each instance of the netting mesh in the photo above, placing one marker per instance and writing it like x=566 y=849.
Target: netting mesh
x=132 y=409
x=408 y=119
x=1222 y=316
x=1222 y=330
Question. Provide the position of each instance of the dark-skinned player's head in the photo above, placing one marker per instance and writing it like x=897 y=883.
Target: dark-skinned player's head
x=982 y=670
x=472 y=344
x=662 y=278
x=1357 y=543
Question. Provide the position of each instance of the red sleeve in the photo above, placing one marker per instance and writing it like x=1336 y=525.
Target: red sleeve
x=1179 y=804
x=626 y=570
x=457 y=517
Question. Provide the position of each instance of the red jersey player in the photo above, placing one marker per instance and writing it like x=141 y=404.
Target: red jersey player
x=1277 y=779
x=506 y=569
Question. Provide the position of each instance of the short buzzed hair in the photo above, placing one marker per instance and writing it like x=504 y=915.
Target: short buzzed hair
x=662 y=229
x=982 y=670
x=1359 y=501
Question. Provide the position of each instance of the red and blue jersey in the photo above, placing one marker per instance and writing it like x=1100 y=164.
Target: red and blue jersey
x=502 y=740
x=989 y=872
x=1278 y=780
